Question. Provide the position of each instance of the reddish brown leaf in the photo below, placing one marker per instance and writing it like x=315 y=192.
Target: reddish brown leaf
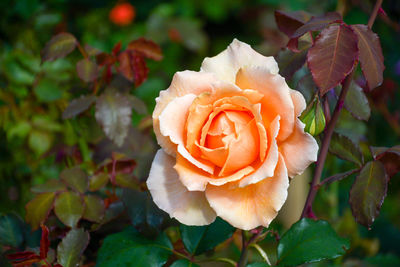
x=147 y=47
x=332 y=56
x=20 y=255
x=59 y=46
x=44 y=242
x=371 y=58
x=368 y=192
x=133 y=66
x=317 y=23
x=116 y=49
x=104 y=58
x=390 y=157
x=27 y=262
x=293 y=45
x=289 y=22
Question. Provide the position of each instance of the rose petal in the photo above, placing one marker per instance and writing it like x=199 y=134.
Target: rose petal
x=299 y=150
x=183 y=83
x=253 y=205
x=170 y=195
x=238 y=54
x=298 y=101
x=277 y=98
x=196 y=179
x=267 y=168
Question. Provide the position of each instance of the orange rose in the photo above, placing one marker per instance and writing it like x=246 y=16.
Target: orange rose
x=230 y=137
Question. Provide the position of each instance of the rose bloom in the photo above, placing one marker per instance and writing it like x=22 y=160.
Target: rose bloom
x=122 y=14
x=230 y=139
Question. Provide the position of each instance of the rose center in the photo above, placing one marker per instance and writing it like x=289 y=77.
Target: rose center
x=232 y=141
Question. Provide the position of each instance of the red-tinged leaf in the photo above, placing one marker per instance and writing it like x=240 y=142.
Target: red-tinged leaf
x=139 y=68
x=289 y=22
x=38 y=209
x=104 y=58
x=44 y=242
x=371 y=57
x=368 y=192
x=339 y=176
x=87 y=70
x=59 y=46
x=78 y=105
x=57 y=265
x=27 y=262
x=133 y=66
x=125 y=65
x=116 y=49
x=98 y=181
x=20 y=255
x=317 y=23
x=147 y=47
x=390 y=157
x=69 y=208
x=293 y=45
x=332 y=56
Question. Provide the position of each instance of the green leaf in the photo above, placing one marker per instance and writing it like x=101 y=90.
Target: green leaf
x=71 y=247
x=113 y=112
x=47 y=90
x=20 y=129
x=290 y=62
x=387 y=260
x=76 y=178
x=78 y=105
x=257 y=264
x=69 y=208
x=310 y=241
x=184 y=263
x=126 y=180
x=94 y=208
x=39 y=141
x=87 y=70
x=345 y=149
x=333 y=56
x=97 y=181
x=52 y=185
x=59 y=46
x=130 y=249
x=199 y=239
x=357 y=103
x=368 y=192
x=38 y=209
x=142 y=211
x=11 y=232
x=371 y=57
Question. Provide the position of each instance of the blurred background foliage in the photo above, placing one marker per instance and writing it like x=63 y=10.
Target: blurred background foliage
x=36 y=144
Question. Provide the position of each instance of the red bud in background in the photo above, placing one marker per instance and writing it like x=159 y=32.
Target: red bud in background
x=122 y=14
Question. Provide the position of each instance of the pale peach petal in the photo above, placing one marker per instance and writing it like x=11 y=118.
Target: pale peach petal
x=243 y=150
x=198 y=115
x=215 y=155
x=238 y=54
x=183 y=83
x=277 y=99
x=267 y=168
x=196 y=179
x=253 y=205
x=298 y=101
x=199 y=163
x=170 y=195
x=299 y=150
x=173 y=118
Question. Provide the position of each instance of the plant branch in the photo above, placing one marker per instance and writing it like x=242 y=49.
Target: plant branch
x=307 y=210
x=257 y=232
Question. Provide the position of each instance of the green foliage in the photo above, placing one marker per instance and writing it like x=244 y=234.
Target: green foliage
x=71 y=247
x=129 y=248
x=310 y=241
x=184 y=263
x=199 y=239
x=10 y=230
x=69 y=208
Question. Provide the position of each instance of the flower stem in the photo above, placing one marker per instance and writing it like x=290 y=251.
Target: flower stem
x=307 y=211
x=245 y=251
